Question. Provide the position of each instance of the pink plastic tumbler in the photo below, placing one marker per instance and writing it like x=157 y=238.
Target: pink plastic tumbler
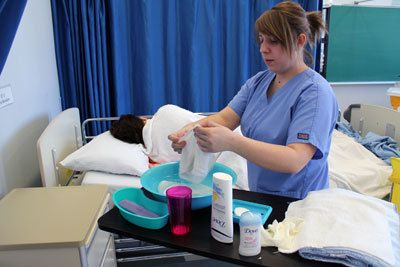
x=179 y=199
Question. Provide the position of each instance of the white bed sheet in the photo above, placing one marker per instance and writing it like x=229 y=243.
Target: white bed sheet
x=355 y=168
x=118 y=181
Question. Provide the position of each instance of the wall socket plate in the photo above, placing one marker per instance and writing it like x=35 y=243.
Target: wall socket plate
x=6 y=97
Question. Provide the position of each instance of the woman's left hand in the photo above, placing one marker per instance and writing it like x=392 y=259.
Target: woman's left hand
x=213 y=137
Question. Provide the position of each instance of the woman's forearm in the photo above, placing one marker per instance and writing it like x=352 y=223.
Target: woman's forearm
x=226 y=117
x=279 y=158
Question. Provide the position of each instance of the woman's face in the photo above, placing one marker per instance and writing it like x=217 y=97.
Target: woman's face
x=274 y=54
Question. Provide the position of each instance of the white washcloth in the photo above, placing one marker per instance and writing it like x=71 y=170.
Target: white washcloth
x=195 y=164
x=340 y=226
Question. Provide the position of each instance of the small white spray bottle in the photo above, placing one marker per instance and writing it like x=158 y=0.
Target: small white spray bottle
x=221 y=210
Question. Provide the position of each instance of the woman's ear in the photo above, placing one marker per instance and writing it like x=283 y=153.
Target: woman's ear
x=302 y=39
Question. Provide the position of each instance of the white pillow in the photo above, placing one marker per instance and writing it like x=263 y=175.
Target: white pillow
x=108 y=154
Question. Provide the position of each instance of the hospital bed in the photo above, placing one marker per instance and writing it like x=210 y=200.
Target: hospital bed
x=62 y=137
x=351 y=165
x=379 y=120
x=64 y=148
x=65 y=134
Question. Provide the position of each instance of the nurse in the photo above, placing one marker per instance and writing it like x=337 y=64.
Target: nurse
x=287 y=113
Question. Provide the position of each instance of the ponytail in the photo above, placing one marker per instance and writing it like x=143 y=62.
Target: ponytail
x=317 y=27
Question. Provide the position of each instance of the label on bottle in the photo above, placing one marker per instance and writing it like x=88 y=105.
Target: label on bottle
x=249 y=240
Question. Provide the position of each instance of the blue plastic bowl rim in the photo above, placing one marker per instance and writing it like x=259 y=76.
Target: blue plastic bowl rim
x=131 y=213
x=193 y=197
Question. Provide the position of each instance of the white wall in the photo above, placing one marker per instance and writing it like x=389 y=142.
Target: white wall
x=31 y=71
x=374 y=94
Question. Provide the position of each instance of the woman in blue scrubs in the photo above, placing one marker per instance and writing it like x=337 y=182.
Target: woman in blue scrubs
x=287 y=113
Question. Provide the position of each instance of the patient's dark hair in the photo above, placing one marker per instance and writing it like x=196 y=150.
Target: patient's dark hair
x=128 y=129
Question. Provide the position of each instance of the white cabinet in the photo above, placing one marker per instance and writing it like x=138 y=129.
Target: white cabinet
x=55 y=226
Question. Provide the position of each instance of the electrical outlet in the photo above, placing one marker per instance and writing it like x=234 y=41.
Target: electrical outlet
x=6 y=97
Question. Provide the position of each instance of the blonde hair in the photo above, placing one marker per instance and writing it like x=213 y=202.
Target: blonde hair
x=286 y=21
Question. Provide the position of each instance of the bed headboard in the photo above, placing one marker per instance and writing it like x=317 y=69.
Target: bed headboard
x=369 y=118
x=60 y=138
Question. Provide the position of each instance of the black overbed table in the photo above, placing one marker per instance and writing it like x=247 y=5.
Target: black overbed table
x=199 y=241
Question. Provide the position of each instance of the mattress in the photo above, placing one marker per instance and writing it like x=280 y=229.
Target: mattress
x=114 y=181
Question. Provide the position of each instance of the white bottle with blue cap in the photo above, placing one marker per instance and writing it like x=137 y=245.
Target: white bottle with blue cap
x=250 y=233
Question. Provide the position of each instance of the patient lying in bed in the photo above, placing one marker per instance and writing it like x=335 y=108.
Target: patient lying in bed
x=153 y=134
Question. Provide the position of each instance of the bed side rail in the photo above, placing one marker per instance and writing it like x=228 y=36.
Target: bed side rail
x=86 y=138
x=366 y=118
x=347 y=113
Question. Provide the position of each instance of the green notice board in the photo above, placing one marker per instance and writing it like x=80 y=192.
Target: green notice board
x=364 y=44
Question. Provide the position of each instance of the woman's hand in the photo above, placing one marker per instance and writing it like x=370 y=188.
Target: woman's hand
x=176 y=136
x=213 y=137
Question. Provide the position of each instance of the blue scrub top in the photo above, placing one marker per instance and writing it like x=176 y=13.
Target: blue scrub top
x=304 y=110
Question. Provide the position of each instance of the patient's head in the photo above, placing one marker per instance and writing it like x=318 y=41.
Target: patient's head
x=128 y=129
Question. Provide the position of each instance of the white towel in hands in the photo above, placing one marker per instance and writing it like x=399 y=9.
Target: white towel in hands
x=168 y=119
x=195 y=164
